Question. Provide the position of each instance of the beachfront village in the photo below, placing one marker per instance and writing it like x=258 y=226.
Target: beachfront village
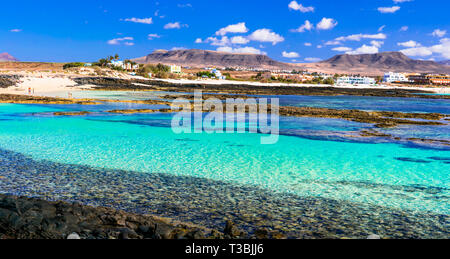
x=174 y=71
x=113 y=66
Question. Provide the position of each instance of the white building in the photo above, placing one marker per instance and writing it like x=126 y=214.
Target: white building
x=124 y=66
x=353 y=80
x=394 y=77
x=117 y=63
x=218 y=74
x=175 y=69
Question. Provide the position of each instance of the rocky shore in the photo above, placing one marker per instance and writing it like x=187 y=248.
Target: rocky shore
x=113 y=84
x=381 y=119
x=255 y=212
x=28 y=99
x=27 y=218
x=8 y=80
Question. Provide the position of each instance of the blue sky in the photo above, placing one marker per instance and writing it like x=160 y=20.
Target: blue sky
x=290 y=31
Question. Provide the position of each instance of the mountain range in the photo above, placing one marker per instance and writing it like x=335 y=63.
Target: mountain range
x=445 y=62
x=366 y=64
x=379 y=63
x=7 y=57
x=204 y=58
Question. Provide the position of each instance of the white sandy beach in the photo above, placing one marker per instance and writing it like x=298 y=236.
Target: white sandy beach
x=42 y=86
x=50 y=84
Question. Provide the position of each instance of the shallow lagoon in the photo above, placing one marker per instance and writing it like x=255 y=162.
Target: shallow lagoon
x=383 y=175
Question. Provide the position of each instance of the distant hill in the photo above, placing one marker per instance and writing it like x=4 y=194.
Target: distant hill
x=6 y=57
x=376 y=64
x=202 y=58
x=445 y=62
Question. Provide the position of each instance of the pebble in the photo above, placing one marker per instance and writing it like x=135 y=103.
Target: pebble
x=74 y=236
x=206 y=202
x=373 y=236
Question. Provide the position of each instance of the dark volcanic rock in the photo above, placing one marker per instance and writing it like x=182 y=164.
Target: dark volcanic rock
x=109 y=83
x=27 y=99
x=8 y=80
x=25 y=218
x=243 y=89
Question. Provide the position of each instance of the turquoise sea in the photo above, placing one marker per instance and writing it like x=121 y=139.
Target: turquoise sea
x=313 y=159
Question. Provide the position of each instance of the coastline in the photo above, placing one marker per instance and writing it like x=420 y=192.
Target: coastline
x=442 y=90
x=117 y=230
x=45 y=84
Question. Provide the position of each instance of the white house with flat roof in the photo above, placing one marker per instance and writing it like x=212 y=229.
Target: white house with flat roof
x=174 y=69
x=355 y=80
x=394 y=77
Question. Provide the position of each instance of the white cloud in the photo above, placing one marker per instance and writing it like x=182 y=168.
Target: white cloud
x=404 y=28
x=178 y=48
x=442 y=49
x=402 y=1
x=299 y=7
x=153 y=36
x=174 y=25
x=16 y=30
x=307 y=44
x=359 y=37
x=305 y=27
x=139 y=20
x=313 y=59
x=376 y=43
x=290 y=54
x=392 y=9
x=409 y=44
x=364 y=49
x=243 y=50
x=266 y=35
x=198 y=40
x=381 y=28
x=439 y=33
x=332 y=43
x=342 y=49
x=239 y=40
x=223 y=41
x=327 y=24
x=417 y=52
x=184 y=5
x=125 y=40
x=234 y=28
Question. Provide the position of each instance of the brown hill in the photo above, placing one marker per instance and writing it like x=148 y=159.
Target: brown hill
x=376 y=64
x=202 y=58
x=31 y=66
x=6 y=57
x=445 y=62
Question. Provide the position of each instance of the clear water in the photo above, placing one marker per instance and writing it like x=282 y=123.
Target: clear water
x=385 y=174
x=368 y=103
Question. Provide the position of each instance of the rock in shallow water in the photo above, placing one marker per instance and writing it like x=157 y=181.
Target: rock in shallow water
x=73 y=236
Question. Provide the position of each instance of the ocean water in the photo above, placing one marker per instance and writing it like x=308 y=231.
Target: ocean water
x=367 y=103
x=387 y=174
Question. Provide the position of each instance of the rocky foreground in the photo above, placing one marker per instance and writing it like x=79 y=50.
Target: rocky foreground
x=114 y=84
x=25 y=218
x=8 y=80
